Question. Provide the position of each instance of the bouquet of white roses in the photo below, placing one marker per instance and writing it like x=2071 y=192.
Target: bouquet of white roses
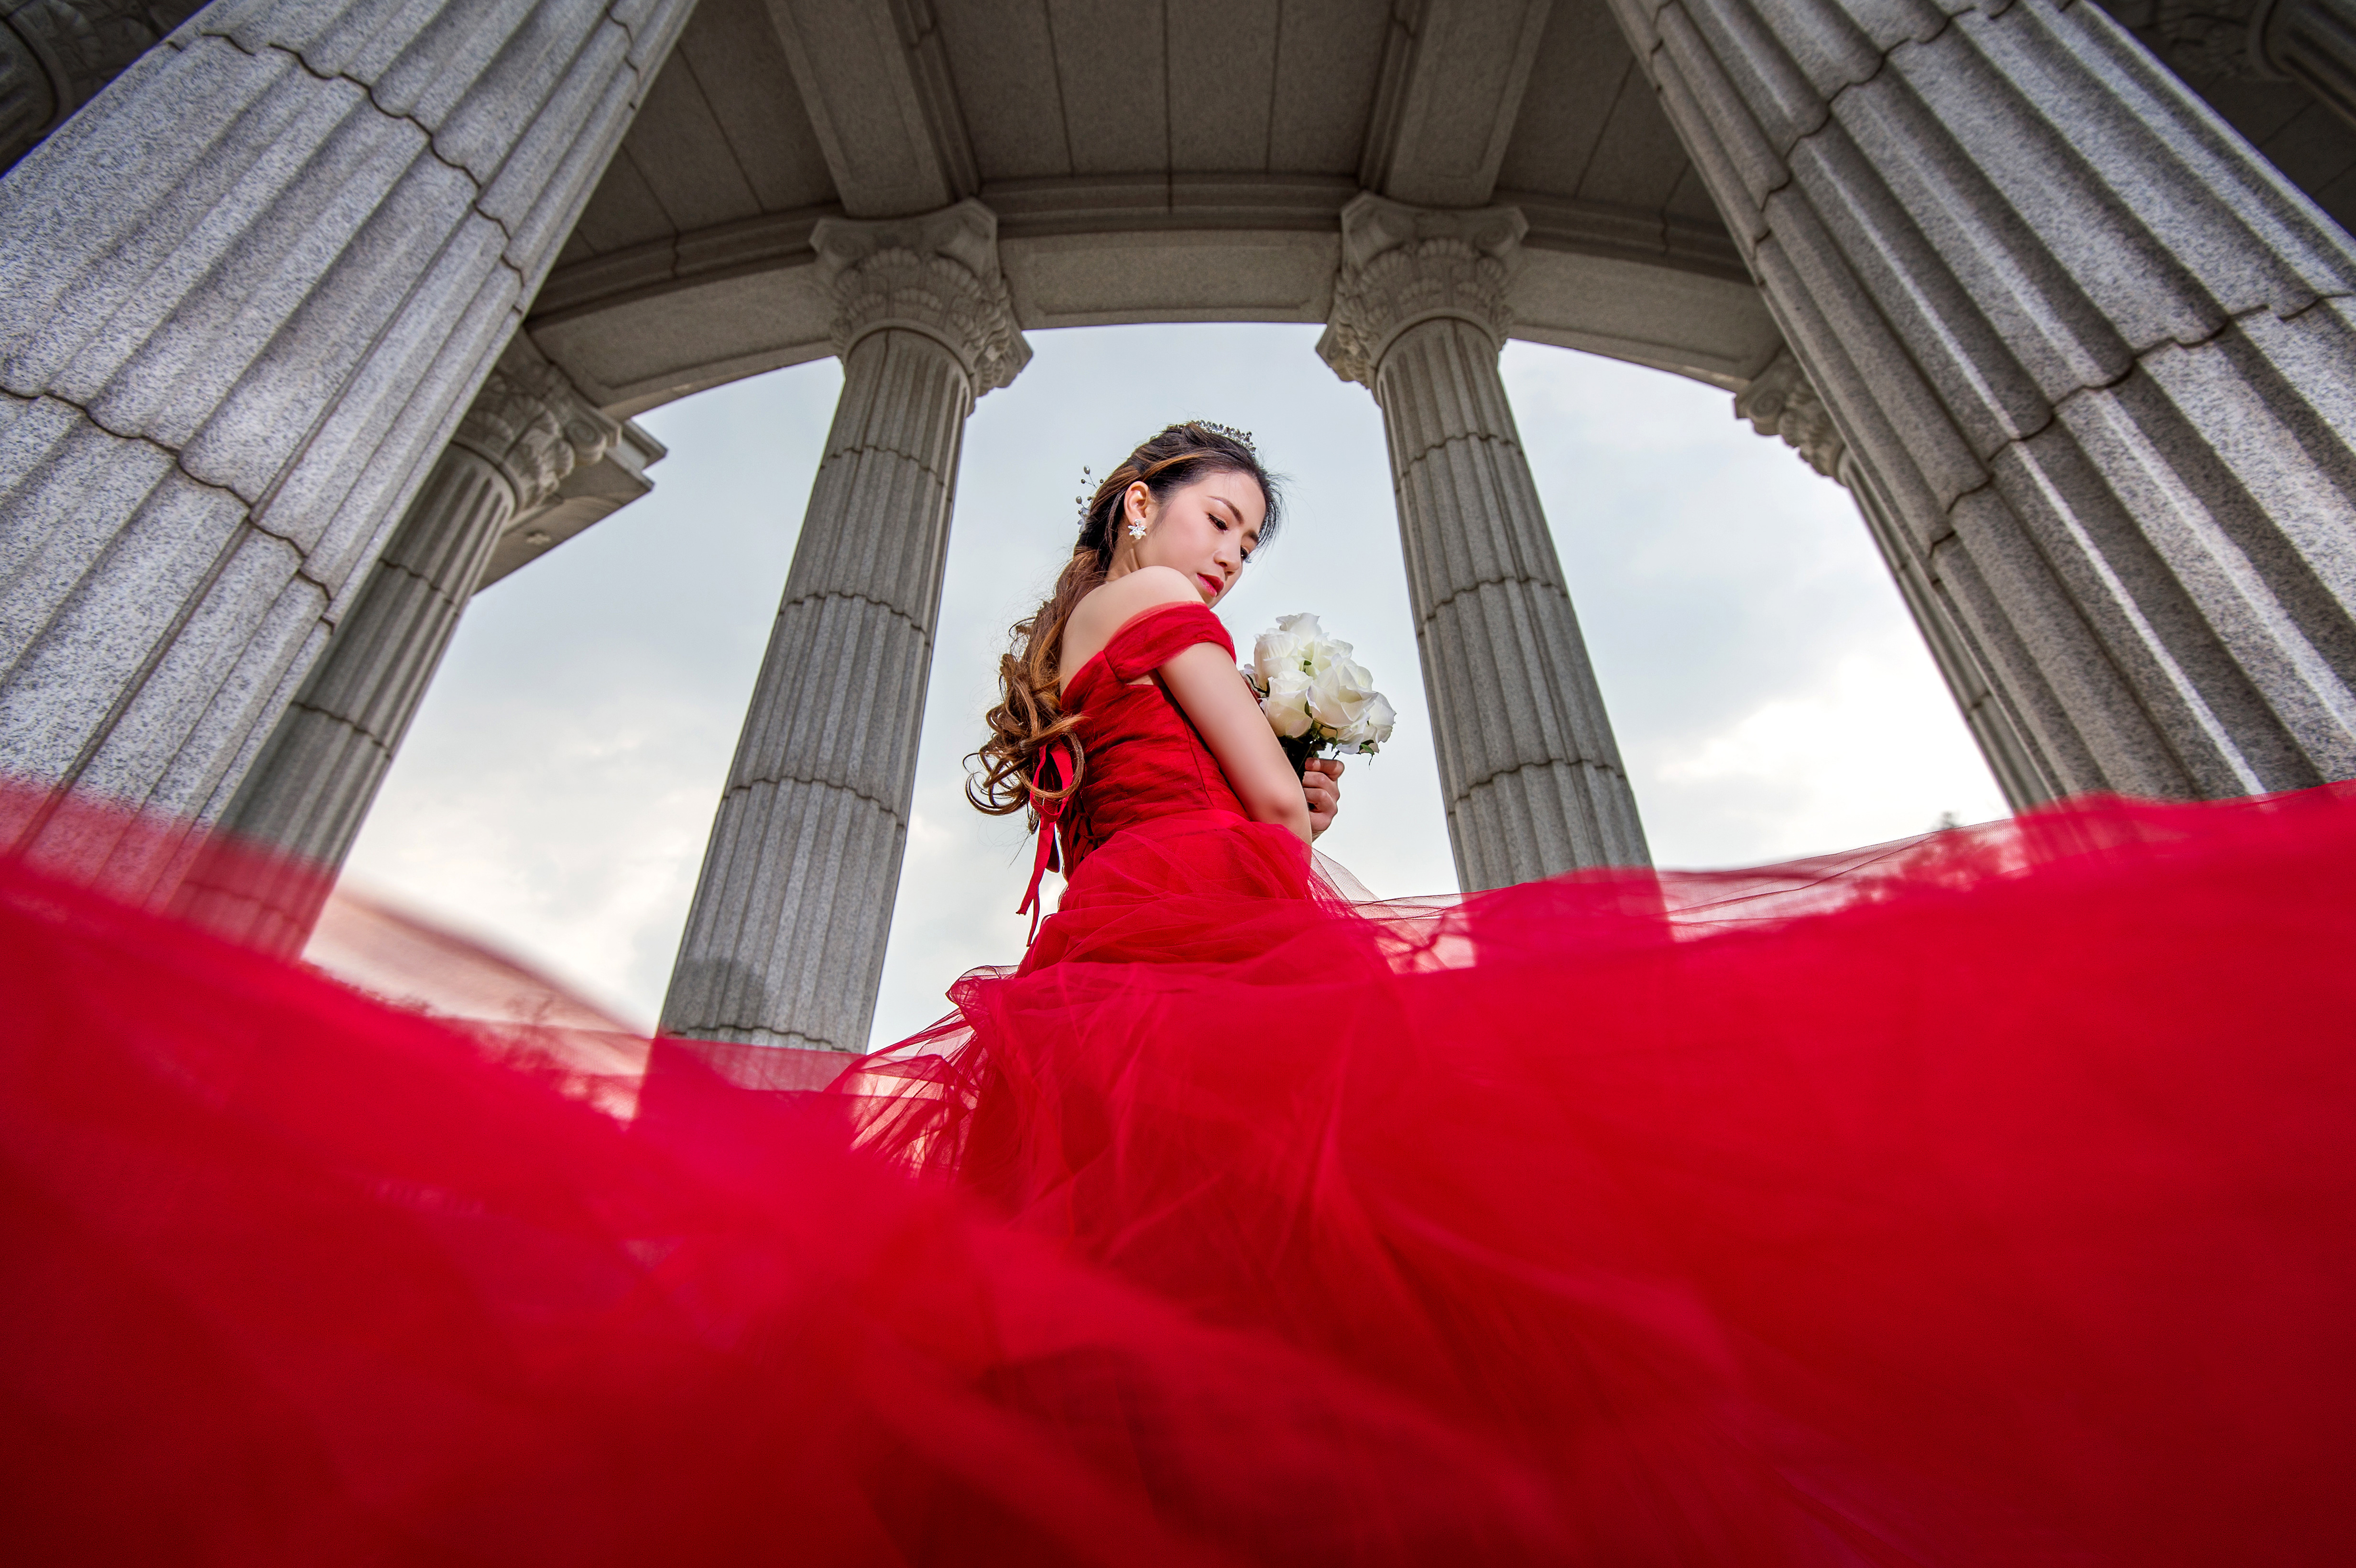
x=1320 y=702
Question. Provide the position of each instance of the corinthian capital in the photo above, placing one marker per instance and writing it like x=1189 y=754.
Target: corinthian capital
x=532 y=423
x=936 y=273
x=1402 y=265
x=1782 y=400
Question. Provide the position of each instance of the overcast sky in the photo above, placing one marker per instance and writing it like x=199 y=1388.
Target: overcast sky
x=1769 y=693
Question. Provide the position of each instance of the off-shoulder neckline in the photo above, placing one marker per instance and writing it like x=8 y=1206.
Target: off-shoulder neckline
x=1073 y=685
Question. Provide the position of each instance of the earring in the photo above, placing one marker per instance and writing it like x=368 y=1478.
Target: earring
x=1137 y=530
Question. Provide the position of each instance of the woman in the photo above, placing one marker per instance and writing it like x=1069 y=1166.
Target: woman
x=1977 y=1201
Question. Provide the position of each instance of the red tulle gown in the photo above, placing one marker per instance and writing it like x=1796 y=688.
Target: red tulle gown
x=1982 y=1199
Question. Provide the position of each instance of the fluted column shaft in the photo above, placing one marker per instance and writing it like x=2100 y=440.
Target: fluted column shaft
x=2097 y=358
x=785 y=940
x=318 y=775
x=310 y=790
x=245 y=297
x=1527 y=763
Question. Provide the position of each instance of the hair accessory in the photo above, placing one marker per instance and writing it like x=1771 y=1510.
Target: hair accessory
x=1080 y=501
x=1232 y=433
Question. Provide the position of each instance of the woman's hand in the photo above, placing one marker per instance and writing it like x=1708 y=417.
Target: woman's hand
x=1321 y=781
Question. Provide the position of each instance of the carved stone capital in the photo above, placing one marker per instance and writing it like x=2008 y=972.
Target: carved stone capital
x=1782 y=400
x=936 y=273
x=1402 y=265
x=2206 y=37
x=55 y=56
x=533 y=424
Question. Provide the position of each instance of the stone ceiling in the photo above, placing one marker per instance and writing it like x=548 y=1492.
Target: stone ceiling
x=1157 y=160
x=1148 y=161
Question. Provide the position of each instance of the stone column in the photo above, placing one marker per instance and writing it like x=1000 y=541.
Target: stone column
x=2098 y=358
x=1780 y=402
x=785 y=940
x=310 y=789
x=245 y=297
x=1531 y=774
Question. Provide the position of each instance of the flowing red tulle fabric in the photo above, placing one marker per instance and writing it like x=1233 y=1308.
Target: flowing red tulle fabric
x=1984 y=1199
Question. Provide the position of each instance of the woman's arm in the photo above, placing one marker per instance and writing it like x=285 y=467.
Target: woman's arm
x=1226 y=714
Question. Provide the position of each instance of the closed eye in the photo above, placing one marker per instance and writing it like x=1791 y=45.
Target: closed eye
x=1219 y=521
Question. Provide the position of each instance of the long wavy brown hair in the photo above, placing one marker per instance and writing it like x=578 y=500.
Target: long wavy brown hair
x=1032 y=717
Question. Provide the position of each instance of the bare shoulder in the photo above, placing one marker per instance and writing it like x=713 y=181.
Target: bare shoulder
x=1102 y=612
x=1106 y=609
x=1140 y=590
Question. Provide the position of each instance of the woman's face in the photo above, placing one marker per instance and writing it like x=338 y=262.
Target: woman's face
x=1206 y=529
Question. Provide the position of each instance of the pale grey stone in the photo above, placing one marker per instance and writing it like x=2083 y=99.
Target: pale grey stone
x=2092 y=355
x=1452 y=78
x=936 y=273
x=310 y=788
x=881 y=105
x=1782 y=402
x=587 y=495
x=372 y=451
x=101 y=627
x=252 y=281
x=212 y=689
x=238 y=599
x=1527 y=763
x=119 y=209
x=784 y=942
x=1729 y=145
x=241 y=423
x=538 y=218
x=82 y=485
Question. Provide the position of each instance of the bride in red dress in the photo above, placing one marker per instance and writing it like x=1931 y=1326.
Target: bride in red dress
x=1981 y=1200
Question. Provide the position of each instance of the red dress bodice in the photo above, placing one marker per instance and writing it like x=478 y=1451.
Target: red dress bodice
x=1144 y=759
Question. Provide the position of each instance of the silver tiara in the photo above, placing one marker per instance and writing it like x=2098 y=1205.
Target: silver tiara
x=1243 y=437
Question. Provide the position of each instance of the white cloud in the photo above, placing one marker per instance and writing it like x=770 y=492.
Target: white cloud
x=1854 y=758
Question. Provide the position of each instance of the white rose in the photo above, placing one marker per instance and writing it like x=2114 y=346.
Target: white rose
x=1277 y=649
x=1373 y=726
x=1339 y=693
x=1323 y=651
x=1286 y=645
x=1286 y=703
x=1305 y=627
